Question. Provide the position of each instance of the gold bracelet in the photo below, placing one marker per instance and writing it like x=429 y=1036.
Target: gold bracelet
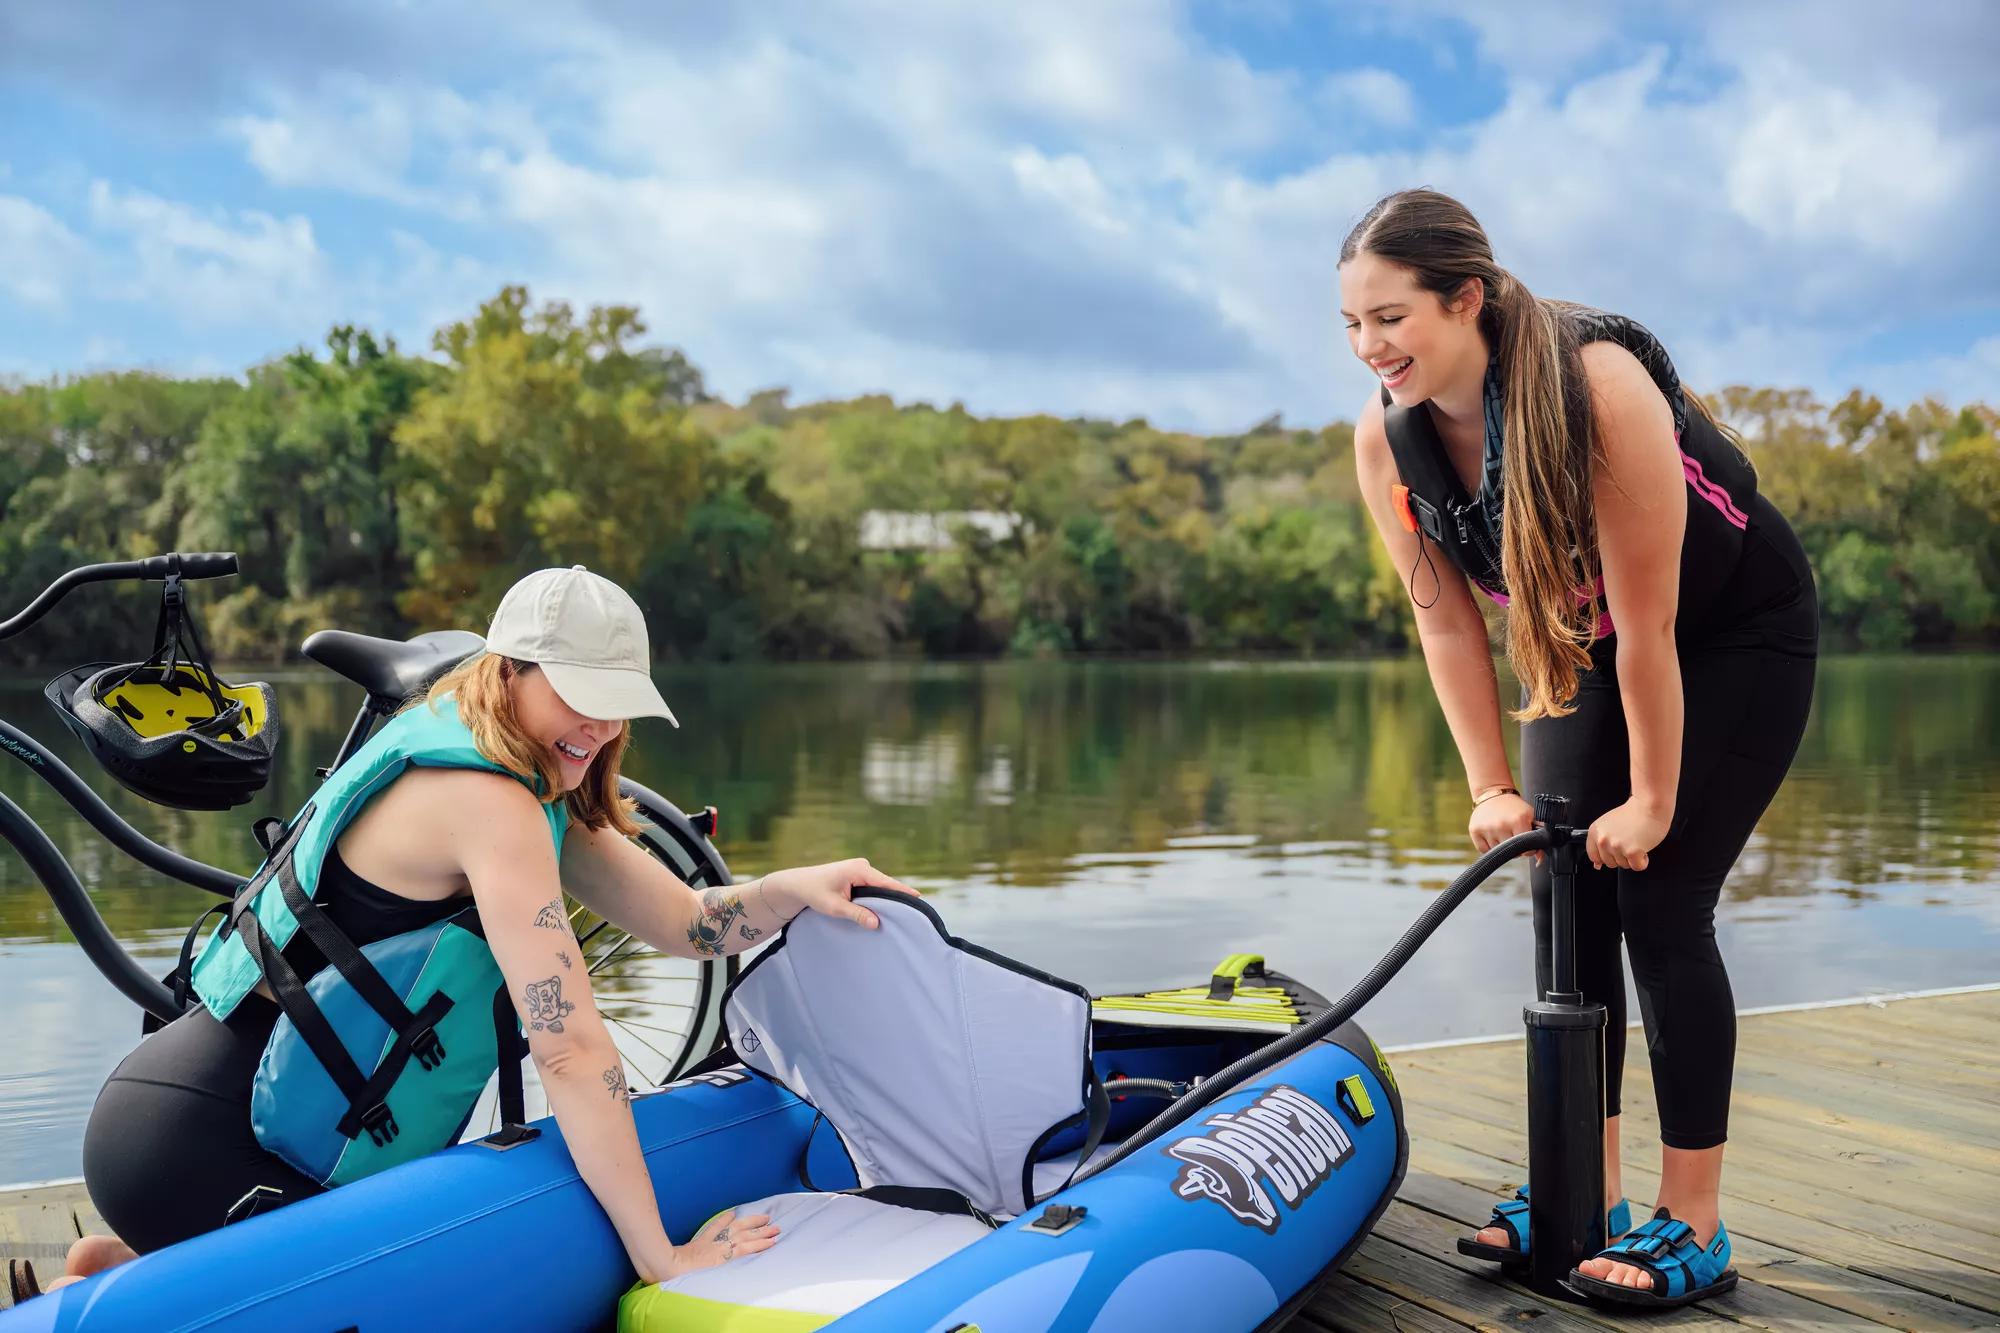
x=1488 y=793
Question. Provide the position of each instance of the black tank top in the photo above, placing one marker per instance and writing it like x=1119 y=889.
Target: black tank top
x=1722 y=486
x=364 y=911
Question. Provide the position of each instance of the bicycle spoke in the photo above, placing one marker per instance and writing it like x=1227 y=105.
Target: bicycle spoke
x=650 y=1078
x=645 y=1027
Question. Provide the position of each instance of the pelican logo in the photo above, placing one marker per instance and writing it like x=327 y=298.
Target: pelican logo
x=1278 y=1149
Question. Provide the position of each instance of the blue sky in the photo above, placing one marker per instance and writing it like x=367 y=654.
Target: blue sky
x=1114 y=207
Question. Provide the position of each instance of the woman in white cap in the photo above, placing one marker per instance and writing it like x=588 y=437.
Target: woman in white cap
x=499 y=791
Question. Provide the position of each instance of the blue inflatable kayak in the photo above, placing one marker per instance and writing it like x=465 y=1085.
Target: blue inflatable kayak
x=949 y=1140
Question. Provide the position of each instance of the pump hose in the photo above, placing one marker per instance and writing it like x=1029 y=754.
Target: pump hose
x=1248 y=1067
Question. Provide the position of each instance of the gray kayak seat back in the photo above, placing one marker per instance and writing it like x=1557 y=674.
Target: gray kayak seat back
x=941 y=1065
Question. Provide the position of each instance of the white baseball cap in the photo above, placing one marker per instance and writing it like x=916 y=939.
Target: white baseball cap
x=589 y=638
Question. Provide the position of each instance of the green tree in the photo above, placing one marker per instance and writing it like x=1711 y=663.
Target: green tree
x=301 y=475
x=547 y=441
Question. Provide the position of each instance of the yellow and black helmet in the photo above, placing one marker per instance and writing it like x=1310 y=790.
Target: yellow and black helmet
x=168 y=727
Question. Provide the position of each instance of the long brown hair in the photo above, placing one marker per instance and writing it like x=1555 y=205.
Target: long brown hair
x=487 y=709
x=1549 y=525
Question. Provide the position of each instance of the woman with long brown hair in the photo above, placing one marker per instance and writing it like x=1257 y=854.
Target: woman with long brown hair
x=1662 y=621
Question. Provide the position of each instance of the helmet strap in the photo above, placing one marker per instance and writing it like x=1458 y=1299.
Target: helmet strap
x=177 y=639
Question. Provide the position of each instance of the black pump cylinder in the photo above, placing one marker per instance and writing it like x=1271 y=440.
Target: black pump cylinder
x=1565 y=1089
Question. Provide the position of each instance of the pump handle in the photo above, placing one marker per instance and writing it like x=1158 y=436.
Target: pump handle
x=1552 y=812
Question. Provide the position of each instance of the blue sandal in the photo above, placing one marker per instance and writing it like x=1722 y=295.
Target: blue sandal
x=1682 y=1271
x=1513 y=1216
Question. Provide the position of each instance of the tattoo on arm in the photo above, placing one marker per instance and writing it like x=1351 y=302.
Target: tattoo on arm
x=552 y=916
x=546 y=1006
x=564 y=955
x=614 y=1079
x=721 y=908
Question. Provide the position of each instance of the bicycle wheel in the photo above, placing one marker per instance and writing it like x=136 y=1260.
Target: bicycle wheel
x=664 y=1012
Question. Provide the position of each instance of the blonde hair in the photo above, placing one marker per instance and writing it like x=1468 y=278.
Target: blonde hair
x=486 y=707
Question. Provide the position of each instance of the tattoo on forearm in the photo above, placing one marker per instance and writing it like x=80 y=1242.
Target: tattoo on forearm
x=552 y=917
x=564 y=955
x=721 y=908
x=614 y=1079
x=546 y=1006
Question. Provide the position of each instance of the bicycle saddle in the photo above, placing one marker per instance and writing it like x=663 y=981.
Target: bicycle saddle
x=389 y=670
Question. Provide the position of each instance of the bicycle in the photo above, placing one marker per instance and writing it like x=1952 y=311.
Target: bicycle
x=629 y=977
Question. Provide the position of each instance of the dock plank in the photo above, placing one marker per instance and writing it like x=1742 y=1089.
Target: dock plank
x=39 y=1223
x=1863 y=1157
x=1896 y=1257
x=1951 y=1197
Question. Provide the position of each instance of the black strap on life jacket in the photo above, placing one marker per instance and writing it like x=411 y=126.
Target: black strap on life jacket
x=1439 y=502
x=416 y=1032
x=513 y=1048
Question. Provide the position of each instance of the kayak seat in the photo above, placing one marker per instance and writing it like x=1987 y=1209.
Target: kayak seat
x=391 y=670
x=945 y=1069
x=835 y=1253
x=939 y=1064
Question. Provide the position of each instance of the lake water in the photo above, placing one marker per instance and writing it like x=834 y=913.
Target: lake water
x=1125 y=826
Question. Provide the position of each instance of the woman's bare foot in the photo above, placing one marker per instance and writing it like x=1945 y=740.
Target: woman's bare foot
x=1614 y=1189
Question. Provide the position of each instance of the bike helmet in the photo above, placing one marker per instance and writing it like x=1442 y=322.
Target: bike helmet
x=169 y=728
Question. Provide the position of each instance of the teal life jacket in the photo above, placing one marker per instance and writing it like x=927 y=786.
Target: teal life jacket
x=380 y=1057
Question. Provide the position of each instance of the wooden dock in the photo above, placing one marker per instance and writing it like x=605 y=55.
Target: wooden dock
x=1862 y=1191
x=1862 y=1185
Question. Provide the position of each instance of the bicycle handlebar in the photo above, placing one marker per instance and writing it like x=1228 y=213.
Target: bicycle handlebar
x=194 y=564
x=197 y=565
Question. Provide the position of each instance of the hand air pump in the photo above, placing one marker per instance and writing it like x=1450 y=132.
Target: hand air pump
x=1565 y=1086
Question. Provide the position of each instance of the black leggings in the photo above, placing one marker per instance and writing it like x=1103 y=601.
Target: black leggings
x=1747 y=686
x=169 y=1150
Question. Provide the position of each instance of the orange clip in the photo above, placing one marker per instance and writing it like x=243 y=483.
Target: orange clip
x=1399 y=496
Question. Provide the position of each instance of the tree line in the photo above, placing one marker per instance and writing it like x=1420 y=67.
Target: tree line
x=372 y=489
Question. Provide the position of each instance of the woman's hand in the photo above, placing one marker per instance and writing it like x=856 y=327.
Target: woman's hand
x=727 y=1237
x=830 y=889
x=1623 y=836
x=1499 y=818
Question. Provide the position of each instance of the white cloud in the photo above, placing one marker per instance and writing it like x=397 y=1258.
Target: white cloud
x=406 y=144
x=1073 y=207
x=210 y=266
x=1971 y=376
x=100 y=351
x=43 y=255
x=1071 y=184
x=842 y=207
x=1610 y=195
x=1814 y=163
x=1378 y=95
x=1541 y=41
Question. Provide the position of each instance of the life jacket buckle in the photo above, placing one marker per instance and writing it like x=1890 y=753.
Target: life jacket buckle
x=427 y=1048
x=380 y=1123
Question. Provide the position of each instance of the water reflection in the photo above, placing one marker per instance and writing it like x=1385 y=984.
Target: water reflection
x=1125 y=825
